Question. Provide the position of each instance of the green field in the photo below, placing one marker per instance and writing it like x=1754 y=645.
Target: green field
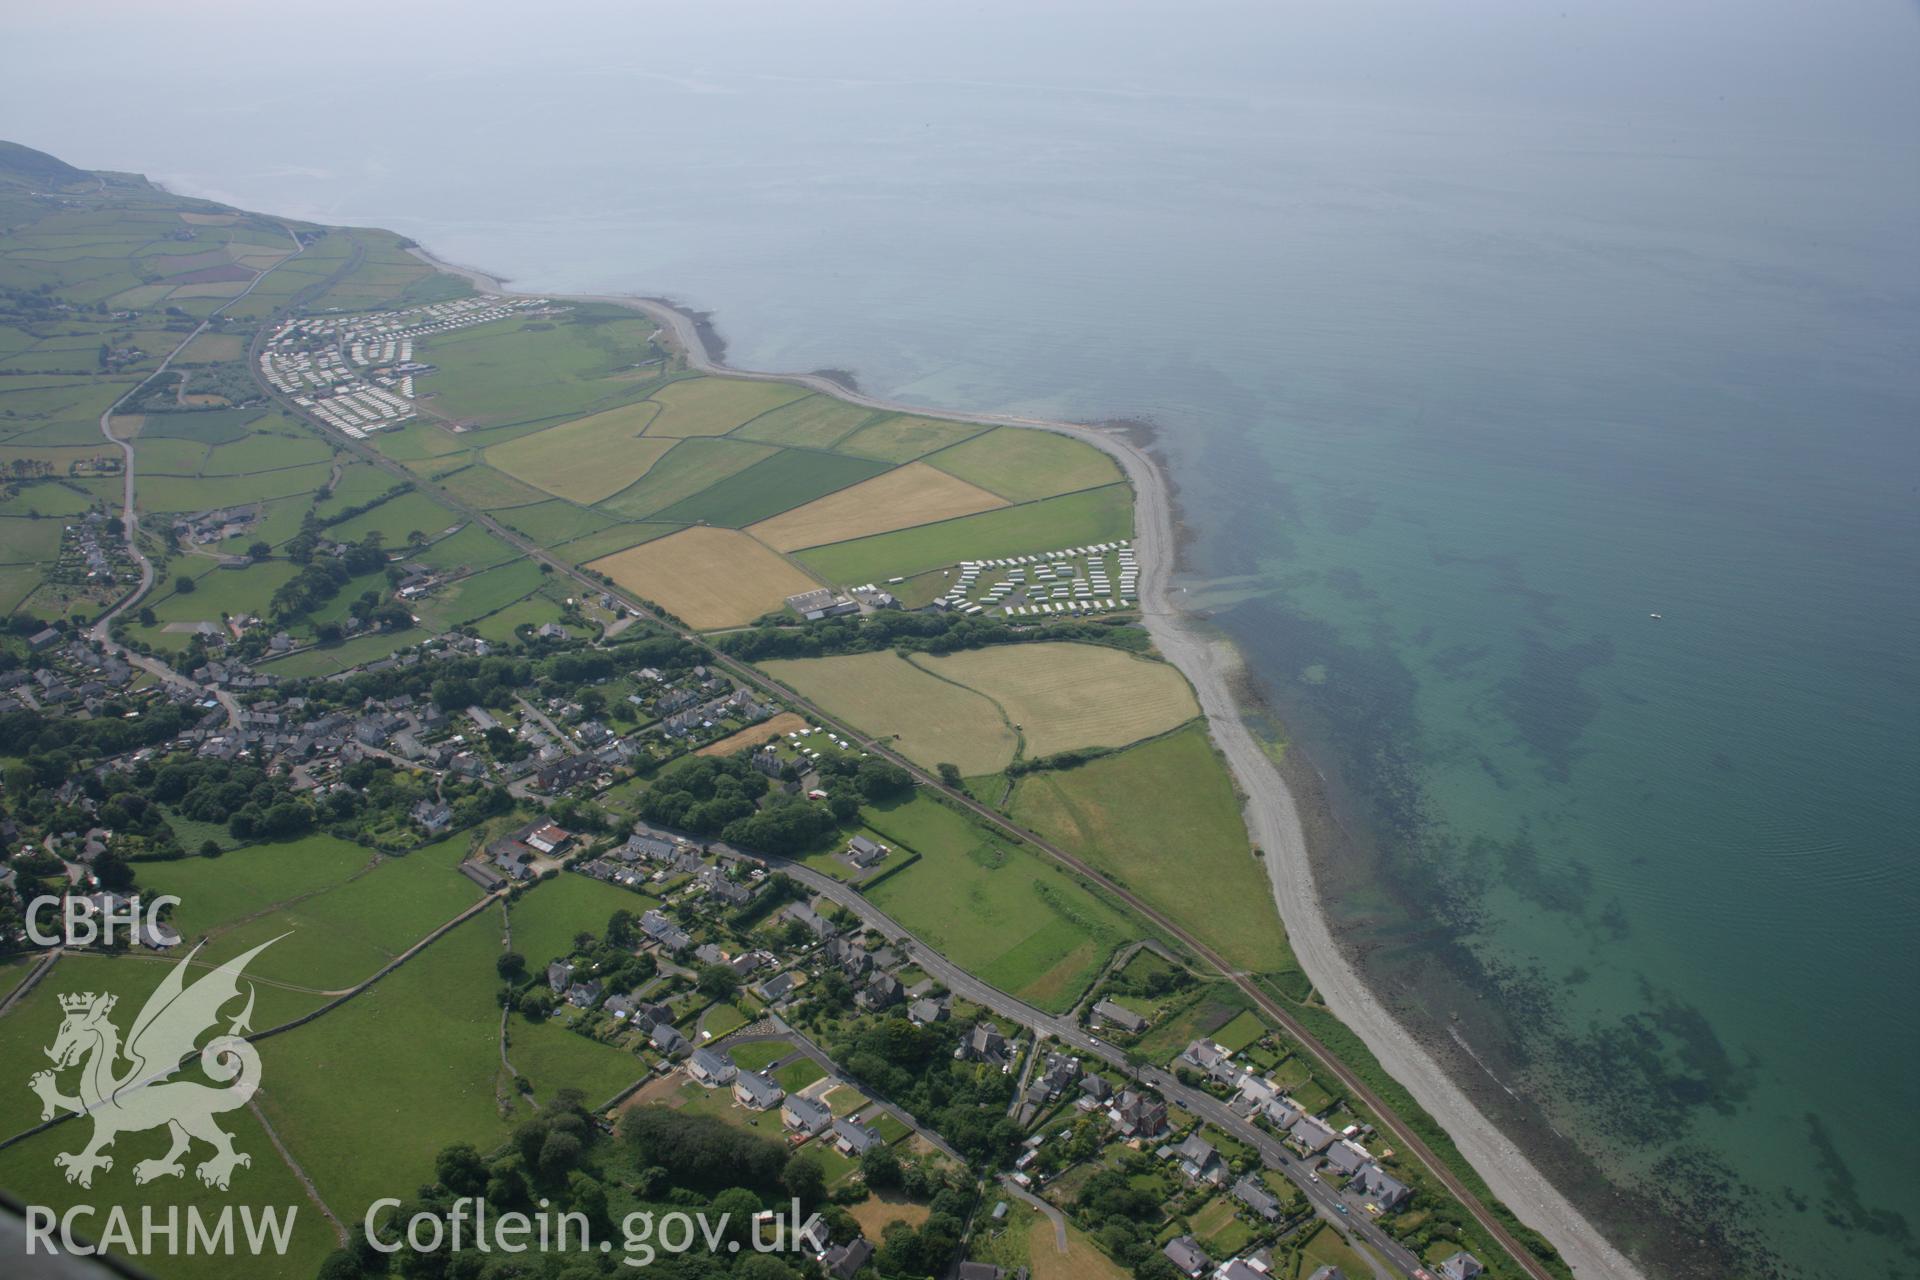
x=715 y=406
x=587 y=459
x=814 y=422
x=686 y=469
x=1162 y=819
x=553 y=522
x=329 y=660
x=1021 y=464
x=546 y=917
x=518 y=371
x=481 y=486
x=1016 y=920
x=904 y=437
x=770 y=486
x=406 y=1068
x=479 y=594
x=1095 y=515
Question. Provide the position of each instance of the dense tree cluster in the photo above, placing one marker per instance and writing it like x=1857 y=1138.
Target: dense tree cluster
x=919 y=632
x=915 y=1067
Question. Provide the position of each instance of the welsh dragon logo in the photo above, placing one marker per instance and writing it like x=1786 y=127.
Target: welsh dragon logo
x=140 y=1095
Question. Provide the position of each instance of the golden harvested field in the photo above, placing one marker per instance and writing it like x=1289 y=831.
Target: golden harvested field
x=929 y=720
x=715 y=406
x=1067 y=696
x=910 y=495
x=708 y=577
x=755 y=734
x=587 y=459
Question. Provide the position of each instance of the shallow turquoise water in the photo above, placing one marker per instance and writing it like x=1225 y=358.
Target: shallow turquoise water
x=1457 y=391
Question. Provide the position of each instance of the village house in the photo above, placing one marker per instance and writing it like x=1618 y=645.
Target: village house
x=844 y=1261
x=1114 y=1015
x=862 y=852
x=669 y=935
x=668 y=1040
x=1460 y=1266
x=1257 y=1198
x=1198 y=1161
x=1138 y=1115
x=984 y=1043
x=756 y=1092
x=1187 y=1257
x=851 y=1138
x=804 y=1115
x=1311 y=1136
x=1382 y=1193
x=711 y=1068
x=548 y=839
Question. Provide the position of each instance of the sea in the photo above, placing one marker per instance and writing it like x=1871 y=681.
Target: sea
x=1541 y=385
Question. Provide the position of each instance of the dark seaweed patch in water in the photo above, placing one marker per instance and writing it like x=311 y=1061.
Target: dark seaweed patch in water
x=1564 y=889
x=1408 y=899
x=1508 y=580
x=1546 y=701
x=1349 y=584
x=1349 y=512
x=1843 y=1206
x=1456 y=662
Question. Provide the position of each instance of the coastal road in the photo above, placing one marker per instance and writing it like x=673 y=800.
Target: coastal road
x=1345 y=1214
x=1270 y=813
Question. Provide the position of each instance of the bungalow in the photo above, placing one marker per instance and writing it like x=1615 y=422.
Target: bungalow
x=1461 y=1266
x=1094 y=1088
x=844 y=1261
x=924 y=1012
x=1186 y=1256
x=1113 y=1015
x=862 y=852
x=777 y=988
x=851 y=1138
x=756 y=1092
x=711 y=1069
x=1381 y=1192
x=804 y=1115
x=667 y=1040
x=1257 y=1198
x=1235 y=1269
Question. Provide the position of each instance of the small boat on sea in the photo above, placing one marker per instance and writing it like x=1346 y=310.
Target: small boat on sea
x=1654 y=616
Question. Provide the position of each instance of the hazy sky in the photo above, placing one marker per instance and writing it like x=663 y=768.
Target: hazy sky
x=1842 y=67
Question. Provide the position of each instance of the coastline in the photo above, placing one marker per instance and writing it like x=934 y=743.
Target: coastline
x=1271 y=811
